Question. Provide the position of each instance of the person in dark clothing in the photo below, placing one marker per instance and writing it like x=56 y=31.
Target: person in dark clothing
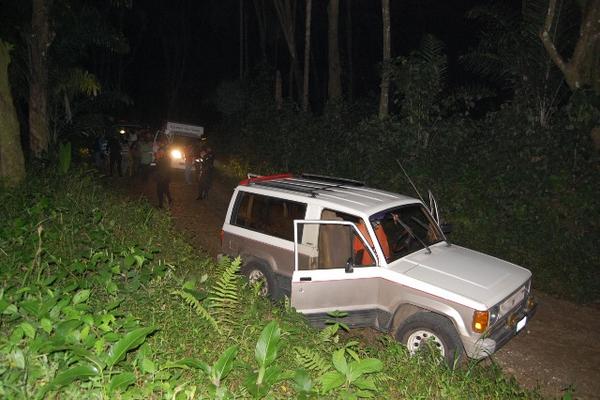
x=114 y=151
x=204 y=171
x=163 y=177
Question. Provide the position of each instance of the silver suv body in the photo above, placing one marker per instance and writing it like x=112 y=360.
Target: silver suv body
x=333 y=244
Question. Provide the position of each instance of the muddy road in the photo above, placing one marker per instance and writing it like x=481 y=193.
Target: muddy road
x=558 y=351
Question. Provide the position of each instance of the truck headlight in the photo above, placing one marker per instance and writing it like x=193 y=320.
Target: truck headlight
x=176 y=154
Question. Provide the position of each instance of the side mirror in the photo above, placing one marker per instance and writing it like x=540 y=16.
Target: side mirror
x=446 y=228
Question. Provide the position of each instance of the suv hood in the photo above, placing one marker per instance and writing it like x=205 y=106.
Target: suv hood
x=466 y=273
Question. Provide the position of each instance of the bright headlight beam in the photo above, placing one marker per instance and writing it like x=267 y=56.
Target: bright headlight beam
x=176 y=154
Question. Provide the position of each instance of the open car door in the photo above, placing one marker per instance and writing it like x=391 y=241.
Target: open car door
x=335 y=270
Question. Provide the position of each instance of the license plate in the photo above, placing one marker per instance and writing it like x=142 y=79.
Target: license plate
x=521 y=324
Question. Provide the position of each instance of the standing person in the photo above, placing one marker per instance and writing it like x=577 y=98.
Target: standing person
x=134 y=158
x=207 y=161
x=189 y=155
x=114 y=153
x=163 y=177
x=146 y=155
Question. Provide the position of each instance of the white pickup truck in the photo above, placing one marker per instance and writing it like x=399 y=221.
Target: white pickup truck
x=178 y=136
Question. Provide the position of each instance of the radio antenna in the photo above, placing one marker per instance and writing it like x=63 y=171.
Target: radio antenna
x=410 y=181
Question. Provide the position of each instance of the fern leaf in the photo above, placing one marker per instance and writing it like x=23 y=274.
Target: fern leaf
x=224 y=294
x=198 y=307
x=311 y=360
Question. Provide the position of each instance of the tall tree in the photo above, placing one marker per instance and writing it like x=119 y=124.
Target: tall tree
x=306 y=54
x=261 y=21
x=334 y=86
x=583 y=68
x=385 y=78
x=286 y=13
x=349 y=50
x=38 y=81
x=12 y=164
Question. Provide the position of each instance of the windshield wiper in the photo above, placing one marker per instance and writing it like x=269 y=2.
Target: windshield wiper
x=411 y=233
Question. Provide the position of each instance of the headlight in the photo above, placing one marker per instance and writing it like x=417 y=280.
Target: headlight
x=176 y=154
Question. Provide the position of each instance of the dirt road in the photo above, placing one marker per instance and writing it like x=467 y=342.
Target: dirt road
x=558 y=350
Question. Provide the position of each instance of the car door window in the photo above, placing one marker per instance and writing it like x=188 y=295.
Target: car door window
x=331 y=244
x=268 y=215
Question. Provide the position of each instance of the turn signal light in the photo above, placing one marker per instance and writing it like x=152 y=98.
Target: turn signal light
x=481 y=319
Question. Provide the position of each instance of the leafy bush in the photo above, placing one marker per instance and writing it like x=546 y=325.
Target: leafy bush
x=86 y=307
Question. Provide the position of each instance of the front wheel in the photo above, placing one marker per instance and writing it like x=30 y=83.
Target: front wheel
x=430 y=333
x=258 y=274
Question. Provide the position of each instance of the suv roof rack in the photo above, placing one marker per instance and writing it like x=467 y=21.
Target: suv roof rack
x=310 y=184
x=332 y=179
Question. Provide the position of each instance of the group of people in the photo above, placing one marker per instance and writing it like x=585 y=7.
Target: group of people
x=137 y=147
x=144 y=156
x=196 y=159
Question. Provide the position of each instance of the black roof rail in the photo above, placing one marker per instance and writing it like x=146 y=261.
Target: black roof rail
x=332 y=179
x=288 y=186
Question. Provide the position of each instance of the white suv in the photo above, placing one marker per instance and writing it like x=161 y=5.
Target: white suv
x=333 y=244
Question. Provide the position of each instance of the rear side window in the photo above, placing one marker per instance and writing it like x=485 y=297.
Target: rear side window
x=269 y=215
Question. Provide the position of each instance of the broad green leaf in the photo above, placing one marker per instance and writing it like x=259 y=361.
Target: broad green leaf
x=331 y=380
x=339 y=361
x=337 y=314
x=16 y=335
x=66 y=327
x=188 y=362
x=46 y=325
x=365 y=383
x=64 y=378
x=268 y=344
x=273 y=374
x=3 y=305
x=365 y=394
x=302 y=382
x=121 y=381
x=223 y=365
x=129 y=260
x=148 y=366
x=81 y=296
x=28 y=329
x=368 y=365
x=130 y=341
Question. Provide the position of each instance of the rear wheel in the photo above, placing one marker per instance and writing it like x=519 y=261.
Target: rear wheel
x=429 y=333
x=258 y=274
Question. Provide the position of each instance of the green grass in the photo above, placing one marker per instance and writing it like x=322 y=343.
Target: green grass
x=87 y=275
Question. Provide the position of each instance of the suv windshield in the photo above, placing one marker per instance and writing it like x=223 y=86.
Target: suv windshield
x=399 y=241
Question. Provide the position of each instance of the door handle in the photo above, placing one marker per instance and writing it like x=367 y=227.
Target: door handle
x=305 y=278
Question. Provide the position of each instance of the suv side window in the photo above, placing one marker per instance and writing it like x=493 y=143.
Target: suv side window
x=269 y=215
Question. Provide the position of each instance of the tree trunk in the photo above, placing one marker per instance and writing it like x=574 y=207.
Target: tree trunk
x=286 y=13
x=334 y=86
x=38 y=83
x=349 y=50
x=306 y=55
x=583 y=68
x=241 y=39
x=385 y=78
x=12 y=164
x=261 y=20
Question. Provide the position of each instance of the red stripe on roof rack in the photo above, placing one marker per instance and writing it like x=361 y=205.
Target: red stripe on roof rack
x=248 y=181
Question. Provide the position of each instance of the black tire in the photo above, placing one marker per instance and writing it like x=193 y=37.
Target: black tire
x=257 y=272
x=434 y=330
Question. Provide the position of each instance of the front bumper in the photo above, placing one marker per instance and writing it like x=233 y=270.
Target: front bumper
x=503 y=330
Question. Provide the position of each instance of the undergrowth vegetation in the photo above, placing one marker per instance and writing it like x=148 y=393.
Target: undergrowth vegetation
x=101 y=300
x=513 y=185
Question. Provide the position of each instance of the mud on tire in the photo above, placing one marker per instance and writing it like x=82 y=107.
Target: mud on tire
x=257 y=273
